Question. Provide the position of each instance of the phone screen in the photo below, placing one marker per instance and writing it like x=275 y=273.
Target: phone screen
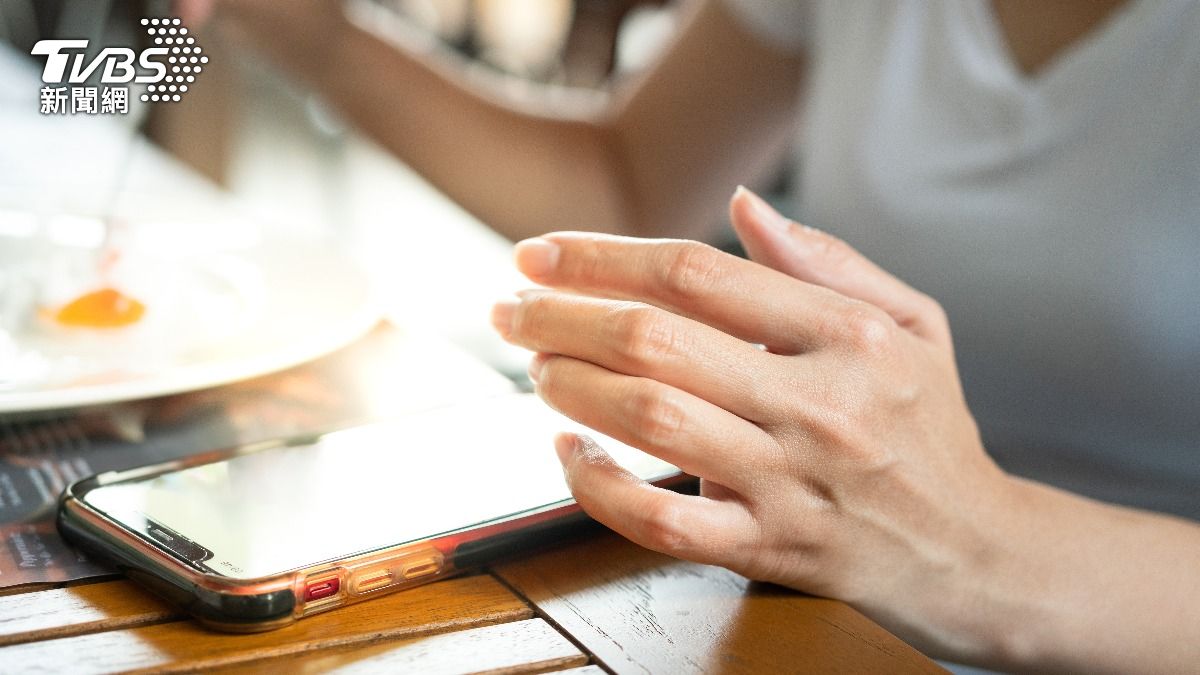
x=361 y=489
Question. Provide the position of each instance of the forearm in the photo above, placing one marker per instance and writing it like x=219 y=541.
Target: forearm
x=522 y=172
x=655 y=157
x=1076 y=585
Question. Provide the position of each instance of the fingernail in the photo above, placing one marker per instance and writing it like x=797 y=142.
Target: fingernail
x=531 y=293
x=535 y=367
x=765 y=213
x=536 y=257
x=503 y=313
x=564 y=446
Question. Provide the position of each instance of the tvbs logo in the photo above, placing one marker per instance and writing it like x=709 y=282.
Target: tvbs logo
x=167 y=69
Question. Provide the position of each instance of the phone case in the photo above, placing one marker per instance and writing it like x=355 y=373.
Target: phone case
x=265 y=603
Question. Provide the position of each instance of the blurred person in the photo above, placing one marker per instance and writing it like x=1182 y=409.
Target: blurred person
x=1033 y=166
x=652 y=156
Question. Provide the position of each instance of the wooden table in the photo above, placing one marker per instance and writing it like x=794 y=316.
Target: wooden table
x=599 y=603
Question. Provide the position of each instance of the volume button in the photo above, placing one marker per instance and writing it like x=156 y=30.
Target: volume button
x=421 y=567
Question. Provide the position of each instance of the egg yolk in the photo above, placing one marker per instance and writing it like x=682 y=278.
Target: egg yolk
x=105 y=308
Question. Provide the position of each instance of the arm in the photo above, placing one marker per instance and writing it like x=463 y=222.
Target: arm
x=1091 y=586
x=654 y=155
x=842 y=460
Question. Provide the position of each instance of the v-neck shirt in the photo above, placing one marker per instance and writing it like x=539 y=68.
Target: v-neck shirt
x=1056 y=216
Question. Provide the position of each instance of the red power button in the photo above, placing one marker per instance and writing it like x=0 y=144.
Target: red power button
x=321 y=588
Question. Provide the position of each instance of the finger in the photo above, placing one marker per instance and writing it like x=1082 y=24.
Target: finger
x=736 y=296
x=639 y=339
x=822 y=259
x=670 y=424
x=694 y=528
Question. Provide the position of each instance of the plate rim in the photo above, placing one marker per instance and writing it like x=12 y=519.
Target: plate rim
x=208 y=374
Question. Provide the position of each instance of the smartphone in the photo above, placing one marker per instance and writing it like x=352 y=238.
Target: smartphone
x=256 y=537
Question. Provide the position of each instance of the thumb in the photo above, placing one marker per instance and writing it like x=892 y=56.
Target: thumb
x=818 y=258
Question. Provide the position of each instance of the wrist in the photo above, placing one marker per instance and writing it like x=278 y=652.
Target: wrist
x=1022 y=582
x=1006 y=578
x=984 y=607
x=1058 y=570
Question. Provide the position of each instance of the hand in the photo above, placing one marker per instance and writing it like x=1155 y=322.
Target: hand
x=840 y=460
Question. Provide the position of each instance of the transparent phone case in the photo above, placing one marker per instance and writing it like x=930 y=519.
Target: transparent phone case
x=265 y=603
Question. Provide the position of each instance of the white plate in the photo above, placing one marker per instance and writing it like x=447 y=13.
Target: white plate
x=246 y=306
x=225 y=300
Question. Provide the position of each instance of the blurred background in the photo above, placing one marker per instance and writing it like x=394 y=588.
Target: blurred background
x=286 y=158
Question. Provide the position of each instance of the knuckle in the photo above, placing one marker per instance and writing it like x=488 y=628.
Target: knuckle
x=830 y=250
x=691 y=267
x=786 y=547
x=662 y=527
x=645 y=336
x=869 y=330
x=657 y=418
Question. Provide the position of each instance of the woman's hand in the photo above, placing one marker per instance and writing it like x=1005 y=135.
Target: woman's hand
x=841 y=459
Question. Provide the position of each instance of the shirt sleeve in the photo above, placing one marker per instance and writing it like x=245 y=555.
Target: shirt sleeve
x=784 y=24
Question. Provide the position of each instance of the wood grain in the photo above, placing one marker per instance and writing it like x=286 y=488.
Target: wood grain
x=90 y=608
x=519 y=647
x=455 y=604
x=638 y=611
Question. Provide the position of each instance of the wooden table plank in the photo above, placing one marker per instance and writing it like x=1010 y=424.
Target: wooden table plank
x=454 y=604
x=638 y=611
x=87 y=608
x=519 y=647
